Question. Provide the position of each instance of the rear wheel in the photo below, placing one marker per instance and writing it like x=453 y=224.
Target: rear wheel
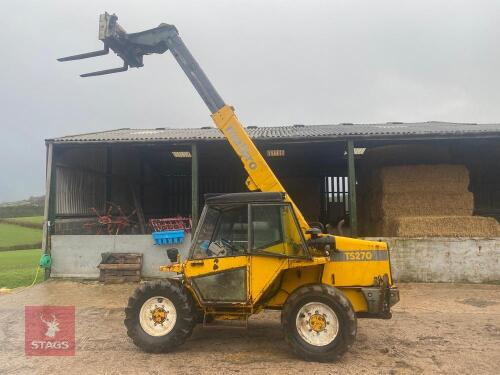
x=319 y=323
x=159 y=316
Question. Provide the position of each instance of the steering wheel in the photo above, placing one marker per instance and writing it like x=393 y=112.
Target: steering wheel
x=228 y=245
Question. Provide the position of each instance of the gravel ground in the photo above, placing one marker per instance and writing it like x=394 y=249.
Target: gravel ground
x=436 y=328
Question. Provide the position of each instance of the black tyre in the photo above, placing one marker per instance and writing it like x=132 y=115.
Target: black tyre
x=160 y=316
x=319 y=323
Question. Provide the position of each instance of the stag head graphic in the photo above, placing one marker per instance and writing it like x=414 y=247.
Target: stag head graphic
x=52 y=326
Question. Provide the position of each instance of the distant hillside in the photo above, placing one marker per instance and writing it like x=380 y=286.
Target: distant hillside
x=33 y=206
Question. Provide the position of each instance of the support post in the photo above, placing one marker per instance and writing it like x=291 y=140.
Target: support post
x=109 y=178
x=351 y=173
x=49 y=207
x=194 y=185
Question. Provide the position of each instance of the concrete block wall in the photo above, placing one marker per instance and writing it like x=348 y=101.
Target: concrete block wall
x=471 y=260
x=79 y=255
x=467 y=260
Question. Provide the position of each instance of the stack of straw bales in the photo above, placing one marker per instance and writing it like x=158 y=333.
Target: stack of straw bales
x=421 y=201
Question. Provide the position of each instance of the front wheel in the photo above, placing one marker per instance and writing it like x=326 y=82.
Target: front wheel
x=159 y=316
x=319 y=323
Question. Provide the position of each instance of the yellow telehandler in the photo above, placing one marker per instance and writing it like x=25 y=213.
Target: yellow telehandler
x=254 y=250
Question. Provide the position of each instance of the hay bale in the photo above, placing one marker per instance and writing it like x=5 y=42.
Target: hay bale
x=396 y=201
x=442 y=178
x=442 y=226
x=389 y=206
x=424 y=204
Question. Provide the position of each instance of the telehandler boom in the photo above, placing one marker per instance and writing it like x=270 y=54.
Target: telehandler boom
x=251 y=251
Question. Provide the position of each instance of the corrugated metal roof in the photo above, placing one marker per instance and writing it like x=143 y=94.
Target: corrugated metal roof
x=340 y=131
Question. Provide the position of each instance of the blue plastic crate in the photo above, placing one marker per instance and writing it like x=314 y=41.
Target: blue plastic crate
x=168 y=237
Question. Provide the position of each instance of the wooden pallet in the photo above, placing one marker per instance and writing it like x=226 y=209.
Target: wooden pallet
x=120 y=267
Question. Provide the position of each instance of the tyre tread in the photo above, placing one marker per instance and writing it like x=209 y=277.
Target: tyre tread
x=347 y=338
x=184 y=325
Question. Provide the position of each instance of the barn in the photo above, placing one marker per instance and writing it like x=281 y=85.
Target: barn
x=431 y=189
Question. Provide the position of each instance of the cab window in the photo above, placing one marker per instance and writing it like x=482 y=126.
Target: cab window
x=223 y=232
x=275 y=231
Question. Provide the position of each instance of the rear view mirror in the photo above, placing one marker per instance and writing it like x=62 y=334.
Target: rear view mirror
x=173 y=255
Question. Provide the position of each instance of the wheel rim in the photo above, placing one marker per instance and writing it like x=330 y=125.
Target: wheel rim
x=157 y=316
x=317 y=323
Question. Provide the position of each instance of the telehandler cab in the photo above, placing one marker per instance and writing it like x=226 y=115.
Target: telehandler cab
x=251 y=251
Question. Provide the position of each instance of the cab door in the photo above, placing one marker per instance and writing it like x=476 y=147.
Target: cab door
x=275 y=237
x=218 y=265
x=239 y=251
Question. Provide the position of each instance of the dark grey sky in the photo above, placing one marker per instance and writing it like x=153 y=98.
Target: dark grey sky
x=277 y=62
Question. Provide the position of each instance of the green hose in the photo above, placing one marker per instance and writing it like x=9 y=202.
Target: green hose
x=45 y=261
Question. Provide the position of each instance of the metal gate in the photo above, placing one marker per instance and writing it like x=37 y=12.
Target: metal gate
x=334 y=199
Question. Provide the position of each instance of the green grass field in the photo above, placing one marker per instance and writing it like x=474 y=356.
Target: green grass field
x=37 y=220
x=12 y=235
x=18 y=268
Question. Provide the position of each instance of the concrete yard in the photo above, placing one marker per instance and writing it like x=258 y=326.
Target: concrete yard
x=436 y=328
